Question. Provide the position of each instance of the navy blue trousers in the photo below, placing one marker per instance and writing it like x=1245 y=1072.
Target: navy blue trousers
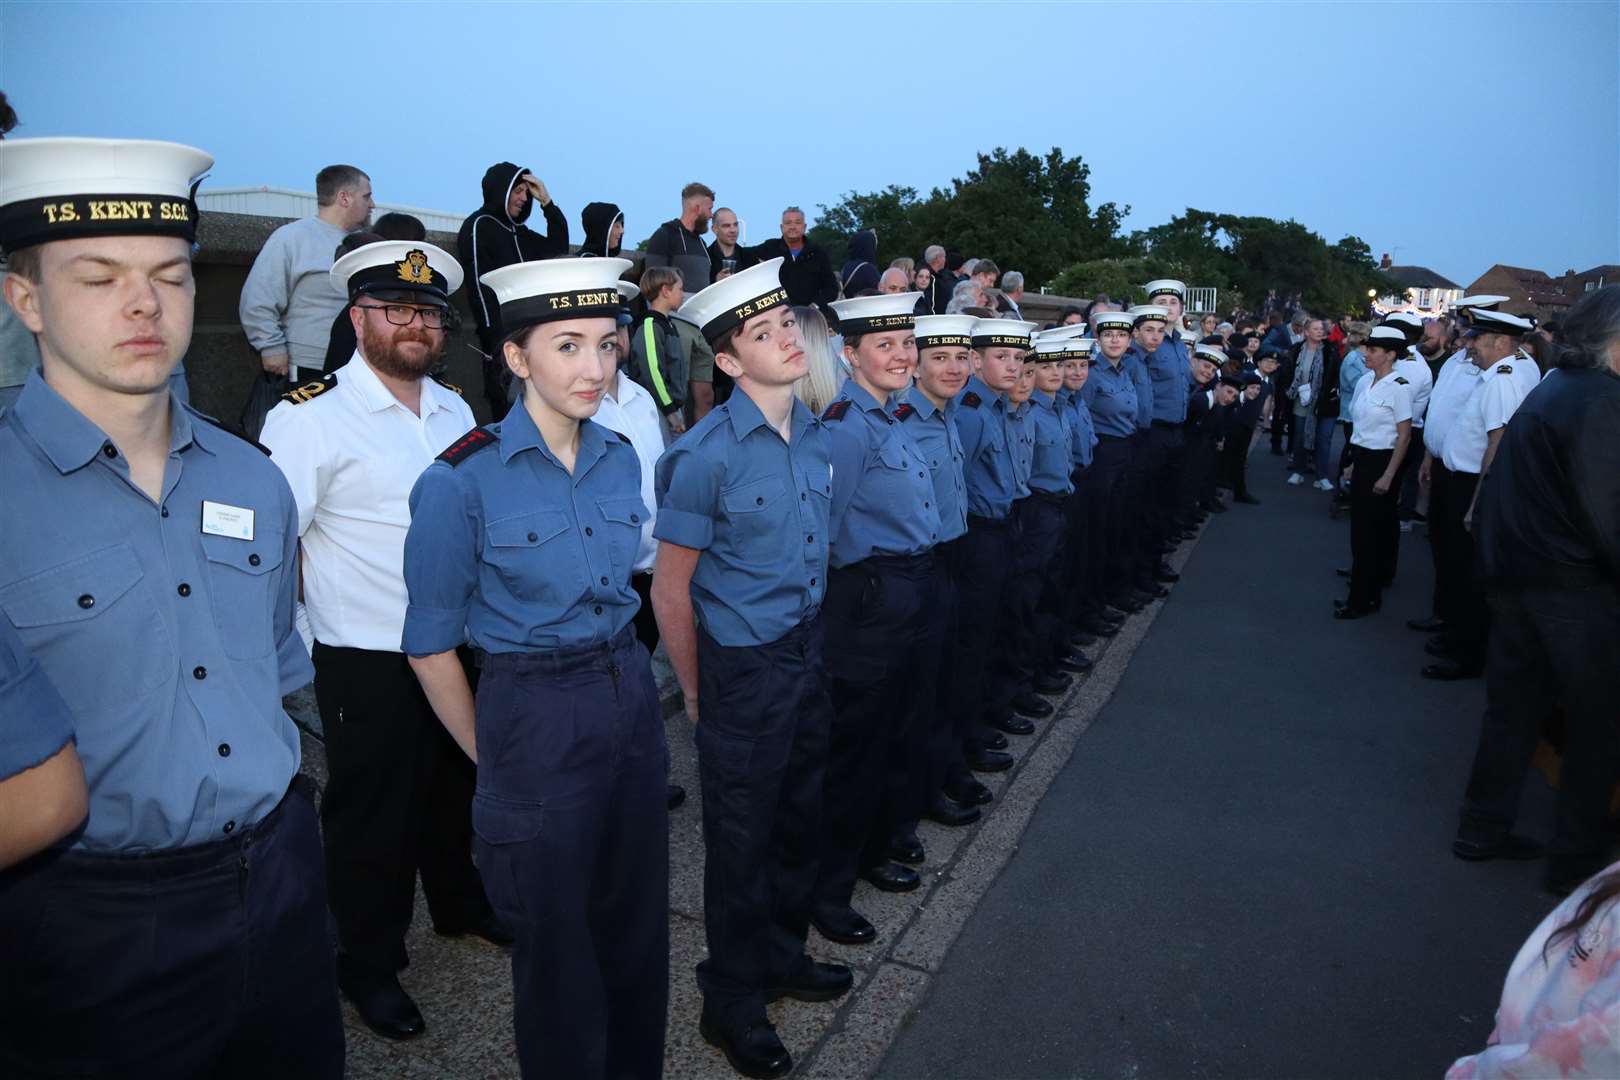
x=573 y=847
x=762 y=754
x=206 y=961
x=943 y=746
x=982 y=563
x=1080 y=536
x=1026 y=633
x=1111 y=463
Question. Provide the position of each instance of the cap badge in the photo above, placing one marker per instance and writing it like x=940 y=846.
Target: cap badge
x=414 y=268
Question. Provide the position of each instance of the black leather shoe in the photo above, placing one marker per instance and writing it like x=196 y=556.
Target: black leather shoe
x=945 y=810
x=1081 y=639
x=1013 y=725
x=1508 y=847
x=1347 y=611
x=489 y=928
x=1158 y=592
x=907 y=849
x=1113 y=615
x=1027 y=704
x=989 y=761
x=1343 y=571
x=752 y=1049
x=970 y=793
x=1434 y=624
x=1050 y=682
x=674 y=796
x=1246 y=500
x=891 y=877
x=1079 y=663
x=1215 y=506
x=814 y=981
x=384 y=1006
x=1451 y=671
x=847 y=927
x=989 y=740
x=1166 y=576
x=1441 y=647
x=1129 y=604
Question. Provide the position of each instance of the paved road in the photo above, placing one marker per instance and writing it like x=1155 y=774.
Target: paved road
x=1243 y=870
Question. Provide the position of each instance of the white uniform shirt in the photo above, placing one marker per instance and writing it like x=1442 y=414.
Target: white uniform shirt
x=351 y=455
x=1457 y=379
x=635 y=416
x=1525 y=373
x=1496 y=396
x=1415 y=370
x=1377 y=408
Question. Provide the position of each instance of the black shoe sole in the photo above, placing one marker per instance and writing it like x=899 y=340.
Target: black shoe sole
x=912 y=887
x=777 y=993
x=724 y=1047
x=844 y=939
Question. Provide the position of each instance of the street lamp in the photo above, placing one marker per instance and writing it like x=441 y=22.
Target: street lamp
x=1372 y=294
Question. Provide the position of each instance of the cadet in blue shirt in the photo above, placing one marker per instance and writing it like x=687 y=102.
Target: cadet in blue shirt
x=743 y=506
x=147 y=567
x=998 y=347
x=1086 y=514
x=1111 y=396
x=1140 y=547
x=928 y=412
x=1055 y=475
x=521 y=543
x=1170 y=370
x=884 y=526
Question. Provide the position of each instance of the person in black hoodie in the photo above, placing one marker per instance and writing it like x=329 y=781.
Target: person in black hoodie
x=494 y=236
x=860 y=271
x=604 y=229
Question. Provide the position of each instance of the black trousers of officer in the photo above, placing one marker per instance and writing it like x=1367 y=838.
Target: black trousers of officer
x=984 y=559
x=1462 y=601
x=1080 y=516
x=205 y=961
x=1168 y=485
x=762 y=753
x=1030 y=629
x=1409 y=475
x=1439 y=477
x=573 y=846
x=398 y=800
x=1375 y=531
x=943 y=745
x=1235 y=459
x=874 y=618
x=1114 y=569
x=1547 y=645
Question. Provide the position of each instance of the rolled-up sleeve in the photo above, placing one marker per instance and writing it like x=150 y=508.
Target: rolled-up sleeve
x=441 y=563
x=34 y=720
x=688 y=490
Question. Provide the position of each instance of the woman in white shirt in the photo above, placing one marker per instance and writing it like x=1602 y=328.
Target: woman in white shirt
x=1381 y=415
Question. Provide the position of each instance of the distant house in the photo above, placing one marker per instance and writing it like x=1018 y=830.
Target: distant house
x=1578 y=285
x=1426 y=292
x=1528 y=292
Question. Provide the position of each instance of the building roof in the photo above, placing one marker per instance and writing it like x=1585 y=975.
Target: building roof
x=287 y=203
x=1420 y=277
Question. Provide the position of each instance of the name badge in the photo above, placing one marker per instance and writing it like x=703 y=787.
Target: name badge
x=220 y=519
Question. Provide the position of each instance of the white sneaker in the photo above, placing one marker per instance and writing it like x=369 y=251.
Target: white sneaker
x=1323 y=485
x=1294 y=479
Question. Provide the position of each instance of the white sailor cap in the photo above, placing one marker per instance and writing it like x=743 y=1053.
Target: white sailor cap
x=1114 y=320
x=1061 y=333
x=1002 y=333
x=1159 y=286
x=1409 y=322
x=62 y=189
x=628 y=290
x=1481 y=302
x=552 y=289
x=1189 y=336
x=1483 y=321
x=1060 y=349
x=1385 y=336
x=937 y=331
x=1210 y=353
x=397 y=266
x=1142 y=313
x=727 y=304
x=876 y=314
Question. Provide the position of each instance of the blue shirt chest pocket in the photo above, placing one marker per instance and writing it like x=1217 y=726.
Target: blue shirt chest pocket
x=240 y=590
x=93 y=624
x=756 y=509
x=536 y=557
x=622 y=516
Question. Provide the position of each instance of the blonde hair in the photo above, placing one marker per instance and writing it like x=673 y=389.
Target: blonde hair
x=821 y=378
x=1355 y=333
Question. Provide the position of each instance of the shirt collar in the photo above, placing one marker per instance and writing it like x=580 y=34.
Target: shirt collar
x=987 y=395
x=1045 y=400
x=378 y=398
x=923 y=403
x=518 y=433
x=745 y=415
x=863 y=399
x=71 y=440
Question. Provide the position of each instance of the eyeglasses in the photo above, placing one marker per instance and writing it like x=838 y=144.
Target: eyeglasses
x=434 y=318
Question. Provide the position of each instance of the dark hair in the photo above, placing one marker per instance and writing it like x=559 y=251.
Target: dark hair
x=1588 y=331
x=8 y=116
x=396 y=226
x=979 y=312
x=1070 y=310
x=1605 y=889
x=24 y=262
x=333 y=179
x=1274 y=319
x=695 y=190
x=356 y=240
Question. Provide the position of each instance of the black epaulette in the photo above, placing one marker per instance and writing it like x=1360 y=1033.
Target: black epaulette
x=468 y=445
x=447 y=384
x=836 y=410
x=310 y=390
x=972 y=400
x=1400 y=379
x=1504 y=369
x=214 y=422
x=904 y=410
x=621 y=436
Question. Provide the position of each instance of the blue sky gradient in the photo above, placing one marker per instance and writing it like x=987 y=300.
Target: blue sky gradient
x=1450 y=135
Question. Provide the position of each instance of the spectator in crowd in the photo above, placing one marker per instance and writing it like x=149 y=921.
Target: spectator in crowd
x=906 y=265
x=1208 y=325
x=679 y=241
x=893 y=280
x=707 y=385
x=1280 y=341
x=967 y=294
x=1547 y=525
x=392 y=226
x=806 y=273
x=937 y=289
x=985 y=273
x=603 y=223
x=494 y=236
x=1314 y=398
x=288 y=300
x=1012 y=294
x=824 y=371
x=1351 y=369
x=1071 y=316
x=1224 y=331
x=923 y=282
x=860 y=273
x=726 y=256
x=397 y=226
x=658 y=358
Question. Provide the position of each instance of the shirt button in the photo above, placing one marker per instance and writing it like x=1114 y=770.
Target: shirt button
x=598 y=609
x=803 y=496
x=760 y=501
x=87 y=601
x=635 y=519
x=533 y=537
x=183 y=589
x=165 y=511
x=224 y=749
x=925 y=504
x=229 y=826
x=810 y=539
x=253 y=560
x=604 y=581
x=110 y=450
x=199 y=672
x=812 y=581
x=588 y=531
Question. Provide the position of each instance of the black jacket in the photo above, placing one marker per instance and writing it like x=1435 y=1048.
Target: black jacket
x=1549 y=509
x=598 y=219
x=860 y=271
x=809 y=279
x=1326 y=401
x=491 y=238
x=938 y=293
x=676 y=245
x=745 y=257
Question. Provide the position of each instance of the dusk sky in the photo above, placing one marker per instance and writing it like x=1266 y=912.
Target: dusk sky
x=1450 y=135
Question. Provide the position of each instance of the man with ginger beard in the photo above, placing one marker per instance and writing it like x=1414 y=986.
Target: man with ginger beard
x=398 y=796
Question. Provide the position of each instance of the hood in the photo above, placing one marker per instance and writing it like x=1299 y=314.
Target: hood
x=498 y=181
x=598 y=219
x=863 y=247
